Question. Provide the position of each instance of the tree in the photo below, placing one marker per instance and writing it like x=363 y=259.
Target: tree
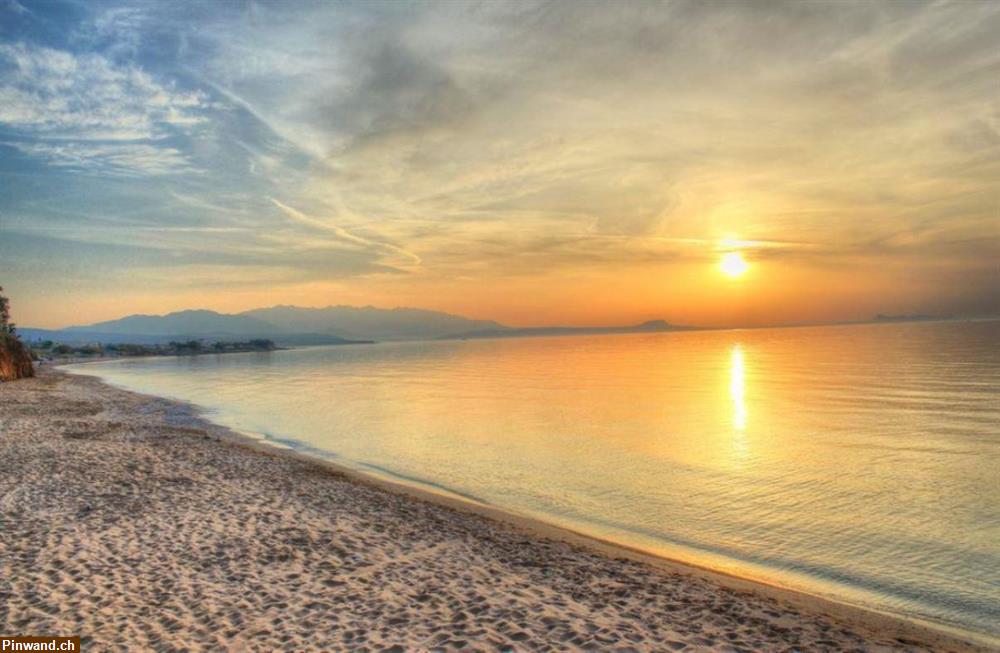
x=6 y=326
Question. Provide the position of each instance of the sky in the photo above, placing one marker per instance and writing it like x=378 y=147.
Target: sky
x=534 y=163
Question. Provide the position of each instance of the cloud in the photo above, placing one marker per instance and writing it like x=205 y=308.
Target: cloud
x=87 y=112
x=647 y=133
x=113 y=159
x=118 y=29
x=53 y=93
x=621 y=115
x=345 y=235
x=16 y=7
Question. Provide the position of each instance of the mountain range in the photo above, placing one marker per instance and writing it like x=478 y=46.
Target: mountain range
x=293 y=325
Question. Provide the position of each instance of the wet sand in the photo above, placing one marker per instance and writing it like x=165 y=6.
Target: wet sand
x=132 y=522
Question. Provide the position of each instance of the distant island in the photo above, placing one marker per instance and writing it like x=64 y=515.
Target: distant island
x=913 y=317
x=652 y=326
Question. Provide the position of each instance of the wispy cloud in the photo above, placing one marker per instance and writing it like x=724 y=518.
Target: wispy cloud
x=87 y=112
x=15 y=7
x=118 y=31
x=114 y=159
x=53 y=93
x=345 y=235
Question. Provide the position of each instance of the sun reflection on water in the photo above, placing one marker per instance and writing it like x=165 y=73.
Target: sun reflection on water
x=737 y=388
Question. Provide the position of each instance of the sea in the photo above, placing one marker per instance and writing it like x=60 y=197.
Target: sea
x=856 y=462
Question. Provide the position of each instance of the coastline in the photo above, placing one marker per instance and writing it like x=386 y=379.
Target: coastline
x=882 y=624
x=833 y=625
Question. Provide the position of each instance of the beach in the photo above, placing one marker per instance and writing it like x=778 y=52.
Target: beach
x=131 y=521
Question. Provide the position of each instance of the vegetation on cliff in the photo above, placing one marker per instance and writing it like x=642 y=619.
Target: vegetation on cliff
x=15 y=359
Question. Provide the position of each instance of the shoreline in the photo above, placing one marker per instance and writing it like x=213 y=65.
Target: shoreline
x=898 y=626
x=881 y=630
x=883 y=623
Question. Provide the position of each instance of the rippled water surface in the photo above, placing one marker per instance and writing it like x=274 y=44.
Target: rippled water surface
x=859 y=462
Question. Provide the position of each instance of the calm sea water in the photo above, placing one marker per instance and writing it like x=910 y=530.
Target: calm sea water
x=857 y=462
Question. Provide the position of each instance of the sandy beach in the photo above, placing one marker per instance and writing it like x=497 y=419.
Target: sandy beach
x=134 y=523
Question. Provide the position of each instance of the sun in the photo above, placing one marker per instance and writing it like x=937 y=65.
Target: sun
x=733 y=264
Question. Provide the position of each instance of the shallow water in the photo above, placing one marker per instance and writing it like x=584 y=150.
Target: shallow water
x=857 y=462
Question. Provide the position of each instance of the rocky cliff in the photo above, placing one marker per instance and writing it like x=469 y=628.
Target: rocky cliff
x=15 y=359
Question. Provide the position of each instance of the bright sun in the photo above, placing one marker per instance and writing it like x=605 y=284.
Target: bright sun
x=733 y=264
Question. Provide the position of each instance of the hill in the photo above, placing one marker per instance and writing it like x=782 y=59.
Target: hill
x=180 y=323
x=371 y=322
x=286 y=325
x=294 y=325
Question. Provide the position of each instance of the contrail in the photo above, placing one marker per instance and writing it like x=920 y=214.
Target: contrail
x=342 y=233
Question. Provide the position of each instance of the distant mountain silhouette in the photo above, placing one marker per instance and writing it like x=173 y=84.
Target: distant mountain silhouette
x=645 y=327
x=370 y=322
x=293 y=325
x=181 y=323
x=286 y=325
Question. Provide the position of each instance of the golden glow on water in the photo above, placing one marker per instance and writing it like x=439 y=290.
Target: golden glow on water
x=737 y=388
x=740 y=450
